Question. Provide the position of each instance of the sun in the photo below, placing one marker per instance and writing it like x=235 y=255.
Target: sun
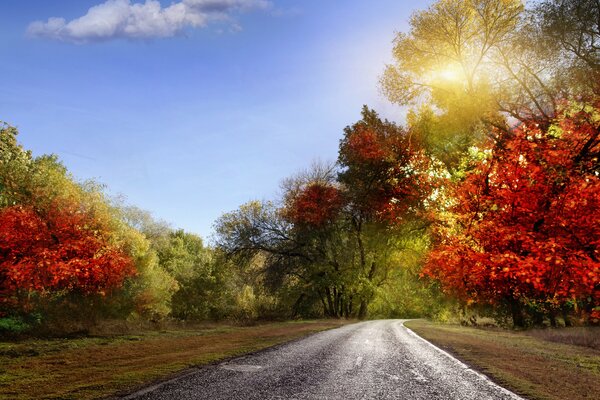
x=448 y=73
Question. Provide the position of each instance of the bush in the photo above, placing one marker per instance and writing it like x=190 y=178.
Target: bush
x=16 y=325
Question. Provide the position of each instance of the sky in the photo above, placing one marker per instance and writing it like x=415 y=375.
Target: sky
x=190 y=108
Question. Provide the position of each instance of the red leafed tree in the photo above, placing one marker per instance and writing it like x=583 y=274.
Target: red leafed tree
x=60 y=250
x=526 y=222
x=315 y=205
x=382 y=169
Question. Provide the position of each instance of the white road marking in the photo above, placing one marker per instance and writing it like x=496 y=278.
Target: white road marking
x=464 y=366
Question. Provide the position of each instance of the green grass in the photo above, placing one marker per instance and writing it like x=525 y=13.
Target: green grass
x=544 y=366
x=92 y=367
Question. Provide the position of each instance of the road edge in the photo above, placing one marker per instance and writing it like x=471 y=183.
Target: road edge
x=462 y=364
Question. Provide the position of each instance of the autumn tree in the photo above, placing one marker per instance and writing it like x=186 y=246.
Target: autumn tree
x=469 y=66
x=14 y=165
x=385 y=176
x=301 y=246
x=446 y=66
x=59 y=250
x=51 y=240
x=523 y=229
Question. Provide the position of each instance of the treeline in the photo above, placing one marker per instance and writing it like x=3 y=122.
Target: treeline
x=485 y=204
x=71 y=257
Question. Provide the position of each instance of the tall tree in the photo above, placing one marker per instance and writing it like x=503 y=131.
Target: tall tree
x=384 y=175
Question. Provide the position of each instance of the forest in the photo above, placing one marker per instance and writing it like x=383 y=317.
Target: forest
x=485 y=202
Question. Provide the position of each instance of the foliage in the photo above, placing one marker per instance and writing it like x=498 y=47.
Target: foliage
x=569 y=32
x=523 y=229
x=382 y=170
x=61 y=250
x=316 y=205
x=15 y=325
x=472 y=65
x=63 y=243
x=202 y=278
x=336 y=239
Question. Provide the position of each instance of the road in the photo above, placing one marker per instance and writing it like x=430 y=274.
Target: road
x=368 y=360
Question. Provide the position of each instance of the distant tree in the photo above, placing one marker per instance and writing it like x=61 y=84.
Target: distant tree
x=316 y=205
x=383 y=170
x=202 y=278
x=14 y=164
x=385 y=176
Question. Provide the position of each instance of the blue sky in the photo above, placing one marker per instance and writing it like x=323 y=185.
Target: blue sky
x=210 y=105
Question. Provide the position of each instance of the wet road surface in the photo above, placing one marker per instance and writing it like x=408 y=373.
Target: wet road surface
x=368 y=360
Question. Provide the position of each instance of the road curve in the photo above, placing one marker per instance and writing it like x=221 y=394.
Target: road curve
x=368 y=360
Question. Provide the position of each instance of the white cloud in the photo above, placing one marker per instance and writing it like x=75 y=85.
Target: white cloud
x=123 y=19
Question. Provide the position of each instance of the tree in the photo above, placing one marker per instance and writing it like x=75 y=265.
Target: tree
x=569 y=33
x=60 y=250
x=448 y=61
x=14 y=164
x=43 y=188
x=202 y=278
x=524 y=227
x=385 y=175
x=316 y=205
x=472 y=65
x=384 y=171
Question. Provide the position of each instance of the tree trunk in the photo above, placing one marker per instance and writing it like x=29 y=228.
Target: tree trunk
x=325 y=310
x=362 y=311
x=552 y=318
x=297 y=305
x=350 y=303
x=565 y=315
x=332 y=310
x=516 y=311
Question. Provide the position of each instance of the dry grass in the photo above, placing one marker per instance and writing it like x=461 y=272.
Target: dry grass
x=578 y=336
x=529 y=363
x=91 y=367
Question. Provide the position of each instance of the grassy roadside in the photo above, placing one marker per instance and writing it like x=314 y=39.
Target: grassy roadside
x=92 y=367
x=529 y=364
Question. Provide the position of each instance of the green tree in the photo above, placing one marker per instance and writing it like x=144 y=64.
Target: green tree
x=202 y=279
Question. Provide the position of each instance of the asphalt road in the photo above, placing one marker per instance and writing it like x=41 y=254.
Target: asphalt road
x=368 y=360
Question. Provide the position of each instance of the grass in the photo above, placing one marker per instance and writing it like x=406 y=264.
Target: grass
x=542 y=364
x=92 y=367
x=579 y=336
